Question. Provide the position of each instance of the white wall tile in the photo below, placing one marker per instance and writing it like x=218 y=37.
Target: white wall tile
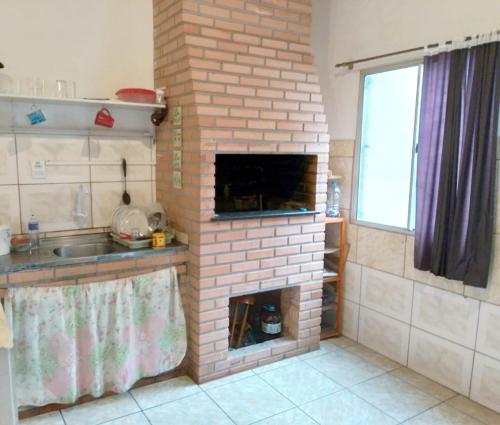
x=53 y=148
x=113 y=149
x=53 y=205
x=488 y=334
x=440 y=360
x=485 y=388
x=446 y=314
x=381 y=250
x=350 y=320
x=384 y=334
x=8 y=161
x=342 y=166
x=106 y=197
x=9 y=207
x=491 y=293
x=427 y=277
x=352 y=237
x=352 y=281
x=387 y=294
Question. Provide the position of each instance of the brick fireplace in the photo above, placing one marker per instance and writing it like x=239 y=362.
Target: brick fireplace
x=244 y=75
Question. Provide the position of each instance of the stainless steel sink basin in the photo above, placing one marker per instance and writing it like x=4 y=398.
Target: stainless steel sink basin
x=85 y=250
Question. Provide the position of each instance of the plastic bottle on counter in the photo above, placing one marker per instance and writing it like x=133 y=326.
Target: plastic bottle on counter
x=333 y=200
x=33 y=232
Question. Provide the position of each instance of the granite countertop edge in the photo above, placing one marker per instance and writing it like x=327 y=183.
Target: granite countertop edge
x=14 y=262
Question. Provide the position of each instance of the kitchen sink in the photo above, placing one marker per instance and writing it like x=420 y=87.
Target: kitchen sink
x=85 y=250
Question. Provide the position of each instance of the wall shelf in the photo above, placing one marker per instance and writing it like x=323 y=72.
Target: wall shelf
x=81 y=102
x=333 y=275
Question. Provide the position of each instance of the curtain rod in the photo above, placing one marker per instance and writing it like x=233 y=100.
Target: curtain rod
x=350 y=64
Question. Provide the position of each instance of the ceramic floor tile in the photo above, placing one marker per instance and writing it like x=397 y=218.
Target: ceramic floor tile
x=394 y=397
x=424 y=384
x=345 y=368
x=197 y=409
x=249 y=400
x=442 y=415
x=290 y=417
x=275 y=365
x=475 y=410
x=341 y=342
x=53 y=418
x=325 y=347
x=345 y=408
x=135 y=419
x=163 y=392
x=374 y=358
x=300 y=382
x=226 y=380
x=103 y=410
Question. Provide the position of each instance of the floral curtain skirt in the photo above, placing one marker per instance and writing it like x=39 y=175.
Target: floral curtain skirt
x=88 y=339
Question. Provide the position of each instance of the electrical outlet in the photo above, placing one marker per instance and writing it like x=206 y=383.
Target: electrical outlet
x=38 y=169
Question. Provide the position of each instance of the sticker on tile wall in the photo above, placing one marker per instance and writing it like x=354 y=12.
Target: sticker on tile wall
x=177 y=137
x=177 y=180
x=177 y=159
x=177 y=115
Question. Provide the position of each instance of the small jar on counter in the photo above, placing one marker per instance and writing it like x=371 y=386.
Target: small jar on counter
x=158 y=240
x=270 y=319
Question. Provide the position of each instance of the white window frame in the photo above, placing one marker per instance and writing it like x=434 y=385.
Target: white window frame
x=357 y=148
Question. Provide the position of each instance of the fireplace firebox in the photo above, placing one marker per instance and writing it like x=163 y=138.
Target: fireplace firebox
x=250 y=185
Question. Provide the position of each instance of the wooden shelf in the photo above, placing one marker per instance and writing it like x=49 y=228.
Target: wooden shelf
x=331 y=279
x=329 y=333
x=78 y=102
x=332 y=312
x=334 y=220
x=332 y=305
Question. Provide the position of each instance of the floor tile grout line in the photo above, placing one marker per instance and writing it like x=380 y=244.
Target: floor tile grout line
x=119 y=417
x=307 y=414
x=388 y=373
x=342 y=388
x=135 y=400
x=296 y=404
x=167 y=402
x=280 y=413
x=423 y=411
x=220 y=407
x=429 y=379
x=347 y=389
x=464 y=413
x=62 y=417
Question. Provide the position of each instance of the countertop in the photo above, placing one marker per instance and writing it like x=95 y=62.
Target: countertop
x=44 y=257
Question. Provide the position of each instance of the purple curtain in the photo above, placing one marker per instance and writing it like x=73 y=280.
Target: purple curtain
x=456 y=165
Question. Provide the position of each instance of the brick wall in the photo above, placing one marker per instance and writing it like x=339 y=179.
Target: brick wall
x=243 y=72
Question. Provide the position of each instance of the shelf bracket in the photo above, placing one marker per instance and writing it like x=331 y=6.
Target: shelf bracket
x=159 y=115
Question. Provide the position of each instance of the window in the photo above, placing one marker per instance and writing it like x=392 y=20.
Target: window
x=386 y=151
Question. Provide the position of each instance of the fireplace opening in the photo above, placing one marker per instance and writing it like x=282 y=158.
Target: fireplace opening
x=249 y=185
x=260 y=317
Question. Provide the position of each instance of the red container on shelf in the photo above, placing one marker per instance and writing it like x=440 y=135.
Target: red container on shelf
x=136 y=95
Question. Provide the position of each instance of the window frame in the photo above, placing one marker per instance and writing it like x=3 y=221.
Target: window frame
x=357 y=147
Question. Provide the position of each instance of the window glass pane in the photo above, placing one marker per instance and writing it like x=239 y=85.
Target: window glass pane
x=386 y=148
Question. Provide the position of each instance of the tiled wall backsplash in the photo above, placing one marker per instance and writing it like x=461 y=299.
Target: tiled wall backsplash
x=53 y=199
x=438 y=327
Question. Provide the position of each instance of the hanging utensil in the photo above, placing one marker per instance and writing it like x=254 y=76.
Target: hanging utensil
x=125 y=196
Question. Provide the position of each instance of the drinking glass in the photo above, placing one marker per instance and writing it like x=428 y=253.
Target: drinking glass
x=71 y=89
x=61 y=89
